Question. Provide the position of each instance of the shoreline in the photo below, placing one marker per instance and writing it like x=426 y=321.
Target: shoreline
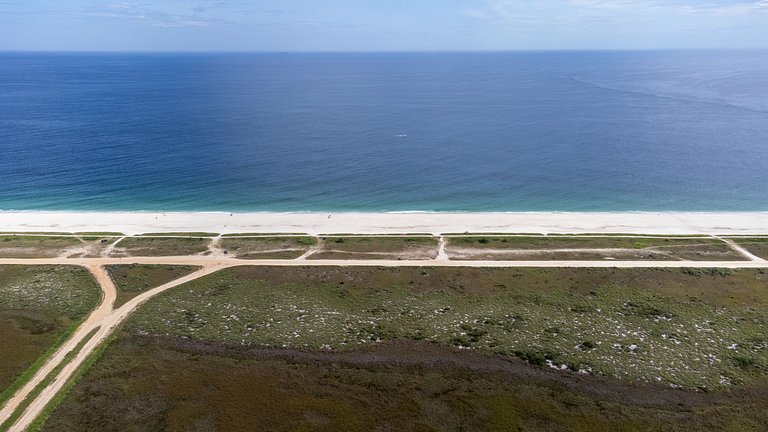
x=140 y=222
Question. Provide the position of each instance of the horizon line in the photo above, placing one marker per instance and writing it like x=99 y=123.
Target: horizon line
x=502 y=51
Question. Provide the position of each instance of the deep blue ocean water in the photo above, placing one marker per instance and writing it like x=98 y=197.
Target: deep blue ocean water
x=568 y=131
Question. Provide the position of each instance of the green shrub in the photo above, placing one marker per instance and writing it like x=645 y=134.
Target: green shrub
x=744 y=361
x=588 y=345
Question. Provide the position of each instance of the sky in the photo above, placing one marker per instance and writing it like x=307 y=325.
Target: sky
x=380 y=25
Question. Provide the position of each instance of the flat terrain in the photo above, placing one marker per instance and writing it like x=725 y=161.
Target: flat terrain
x=377 y=247
x=415 y=247
x=685 y=327
x=338 y=348
x=277 y=247
x=525 y=248
x=645 y=314
x=179 y=234
x=147 y=383
x=38 y=306
x=35 y=246
x=134 y=279
x=160 y=246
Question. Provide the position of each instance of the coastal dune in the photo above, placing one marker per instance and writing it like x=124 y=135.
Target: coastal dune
x=388 y=223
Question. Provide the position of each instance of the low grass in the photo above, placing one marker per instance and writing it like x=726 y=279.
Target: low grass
x=756 y=245
x=412 y=234
x=333 y=348
x=134 y=279
x=263 y=234
x=538 y=234
x=19 y=411
x=147 y=383
x=40 y=306
x=673 y=236
x=45 y=233
x=580 y=248
x=277 y=247
x=467 y=233
x=686 y=327
x=161 y=246
x=557 y=242
x=22 y=346
x=377 y=247
x=69 y=292
x=179 y=234
x=20 y=246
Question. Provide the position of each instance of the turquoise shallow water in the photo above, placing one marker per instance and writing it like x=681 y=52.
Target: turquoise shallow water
x=578 y=131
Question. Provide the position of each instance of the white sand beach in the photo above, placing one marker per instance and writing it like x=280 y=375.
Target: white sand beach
x=386 y=223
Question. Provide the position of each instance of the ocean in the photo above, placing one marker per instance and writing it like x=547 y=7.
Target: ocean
x=477 y=132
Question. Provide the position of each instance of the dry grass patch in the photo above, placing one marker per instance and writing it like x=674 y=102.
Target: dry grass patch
x=277 y=247
x=588 y=248
x=161 y=246
x=39 y=305
x=21 y=246
x=179 y=234
x=133 y=279
x=684 y=327
x=377 y=247
x=152 y=383
x=273 y=234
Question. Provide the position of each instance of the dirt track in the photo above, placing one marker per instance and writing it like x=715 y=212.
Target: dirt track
x=106 y=319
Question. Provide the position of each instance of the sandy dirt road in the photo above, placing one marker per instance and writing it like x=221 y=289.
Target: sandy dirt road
x=200 y=260
x=104 y=319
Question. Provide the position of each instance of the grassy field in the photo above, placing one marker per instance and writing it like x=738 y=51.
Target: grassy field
x=308 y=348
x=145 y=383
x=38 y=305
x=756 y=245
x=588 y=248
x=689 y=328
x=179 y=234
x=20 y=246
x=45 y=382
x=377 y=247
x=284 y=234
x=131 y=280
x=161 y=246
x=277 y=247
